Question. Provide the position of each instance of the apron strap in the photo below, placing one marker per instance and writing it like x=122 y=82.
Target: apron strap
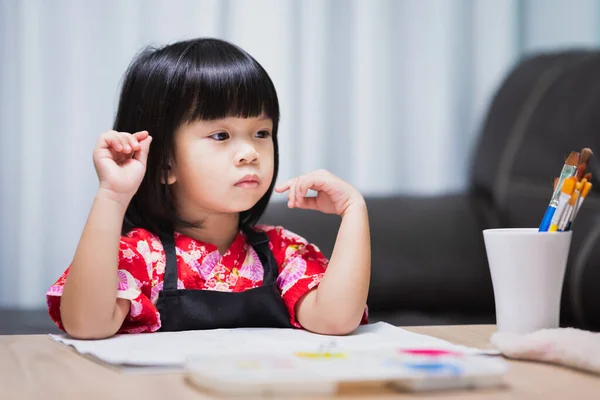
x=171 y=270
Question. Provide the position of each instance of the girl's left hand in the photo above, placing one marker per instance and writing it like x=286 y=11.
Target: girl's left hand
x=334 y=196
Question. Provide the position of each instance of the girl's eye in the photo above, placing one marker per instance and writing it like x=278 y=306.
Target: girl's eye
x=263 y=134
x=220 y=136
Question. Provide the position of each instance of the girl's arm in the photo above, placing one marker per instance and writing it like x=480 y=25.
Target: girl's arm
x=89 y=306
x=336 y=306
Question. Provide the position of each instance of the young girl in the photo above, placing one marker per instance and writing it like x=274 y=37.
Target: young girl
x=171 y=242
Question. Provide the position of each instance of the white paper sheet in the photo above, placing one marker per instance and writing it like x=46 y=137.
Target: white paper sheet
x=172 y=349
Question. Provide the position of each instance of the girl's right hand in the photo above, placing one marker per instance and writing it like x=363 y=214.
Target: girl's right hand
x=120 y=162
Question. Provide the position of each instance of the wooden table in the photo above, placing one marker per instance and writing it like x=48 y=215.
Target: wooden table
x=35 y=367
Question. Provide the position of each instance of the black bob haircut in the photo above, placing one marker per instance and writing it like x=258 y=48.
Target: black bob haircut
x=164 y=88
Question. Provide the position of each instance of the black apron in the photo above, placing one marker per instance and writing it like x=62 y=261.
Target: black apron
x=193 y=309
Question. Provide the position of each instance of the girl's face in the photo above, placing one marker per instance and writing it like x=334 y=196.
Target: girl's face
x=221 y=166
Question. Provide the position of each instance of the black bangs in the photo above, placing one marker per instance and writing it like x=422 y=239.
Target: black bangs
x=227 y=83
x=209 y=79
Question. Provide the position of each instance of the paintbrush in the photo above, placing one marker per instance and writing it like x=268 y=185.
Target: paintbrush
x=586 y=153
x=568 y=170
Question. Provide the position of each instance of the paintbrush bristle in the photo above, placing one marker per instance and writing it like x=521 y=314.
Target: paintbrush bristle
x=573 y=159
x=580 y=170
x=586 y=153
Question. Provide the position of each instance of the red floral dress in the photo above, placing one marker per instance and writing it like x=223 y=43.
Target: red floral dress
x=142 y=265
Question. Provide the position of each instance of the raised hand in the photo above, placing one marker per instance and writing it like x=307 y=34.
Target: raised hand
x=120 y=162
x=334 y=196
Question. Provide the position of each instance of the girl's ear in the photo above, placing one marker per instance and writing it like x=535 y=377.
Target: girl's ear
x=170 y=174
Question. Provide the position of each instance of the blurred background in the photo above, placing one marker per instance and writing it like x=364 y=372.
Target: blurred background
x=388 y=94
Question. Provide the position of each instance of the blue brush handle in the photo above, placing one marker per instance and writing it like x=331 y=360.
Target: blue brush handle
x=545 y=225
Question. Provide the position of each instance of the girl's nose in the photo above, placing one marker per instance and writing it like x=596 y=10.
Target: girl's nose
x=248 y=155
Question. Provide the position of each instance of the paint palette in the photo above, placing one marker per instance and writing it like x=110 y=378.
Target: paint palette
x=323 y=372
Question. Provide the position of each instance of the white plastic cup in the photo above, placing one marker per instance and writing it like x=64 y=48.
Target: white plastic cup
x=527 y=269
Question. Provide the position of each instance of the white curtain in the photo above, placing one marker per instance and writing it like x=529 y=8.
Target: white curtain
x=388 y=94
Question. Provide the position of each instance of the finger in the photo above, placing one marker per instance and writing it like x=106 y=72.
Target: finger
x=305 y=184
x=141 y=135
x=116 y=141
x=298 y=197
x=284 y=186
x=112 y=141
x=296 y=188
x=133 y=142
x=317 y=181
x=292 y=194
x=142 y=154
x=314 y=180
x=124 y=139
